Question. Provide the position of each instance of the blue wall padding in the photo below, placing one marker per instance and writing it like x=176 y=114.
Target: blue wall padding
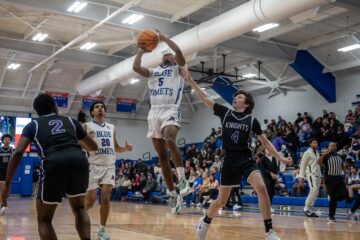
x=311 y=69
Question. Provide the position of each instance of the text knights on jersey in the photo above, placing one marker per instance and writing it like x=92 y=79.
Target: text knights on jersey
x=239 y=126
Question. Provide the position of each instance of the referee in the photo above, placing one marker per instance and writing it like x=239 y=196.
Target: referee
x=335 y=185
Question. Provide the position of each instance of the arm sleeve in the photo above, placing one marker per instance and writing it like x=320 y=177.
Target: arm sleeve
x=80 y=132
x=256 y=127
x=29 y=131
x=220 y=110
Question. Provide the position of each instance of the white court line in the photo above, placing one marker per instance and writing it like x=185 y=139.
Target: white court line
x=136 y=235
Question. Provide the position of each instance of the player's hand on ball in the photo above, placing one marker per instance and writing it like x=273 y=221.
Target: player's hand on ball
x=128 y=146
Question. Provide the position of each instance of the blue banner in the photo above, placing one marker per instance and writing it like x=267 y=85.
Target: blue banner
x=88 y=101
x=126 y=105
x=61 y=99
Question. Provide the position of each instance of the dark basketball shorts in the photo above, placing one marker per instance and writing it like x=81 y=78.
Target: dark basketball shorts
x=63 y=173
x=2 y=176
x=236 y=165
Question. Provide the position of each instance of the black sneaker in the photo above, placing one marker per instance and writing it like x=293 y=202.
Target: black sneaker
x=309 y=213
x=331 y=219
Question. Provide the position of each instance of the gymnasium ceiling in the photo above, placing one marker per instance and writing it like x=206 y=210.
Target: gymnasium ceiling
x=322 y=32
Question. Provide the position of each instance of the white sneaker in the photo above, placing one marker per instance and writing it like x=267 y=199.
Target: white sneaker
x=175 y=203
x=183 y=187
x=236 y=207
x=271 y=235
x=102 y=235
x=201 y=229
x=3 y=210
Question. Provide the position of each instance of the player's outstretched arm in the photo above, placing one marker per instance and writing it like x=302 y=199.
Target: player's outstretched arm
x=270 y=147
x=119 y=149
x=14 y=163
x=137 y=64
x=201 y=95
x=178 y=53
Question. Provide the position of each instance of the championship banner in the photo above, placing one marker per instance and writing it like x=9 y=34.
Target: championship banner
x=126 y=105
x=88 y=101
x=61 y=99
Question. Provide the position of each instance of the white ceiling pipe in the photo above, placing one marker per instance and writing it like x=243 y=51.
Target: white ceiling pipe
x=226 y=26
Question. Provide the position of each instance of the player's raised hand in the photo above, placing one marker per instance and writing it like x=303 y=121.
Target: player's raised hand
x=128 y=146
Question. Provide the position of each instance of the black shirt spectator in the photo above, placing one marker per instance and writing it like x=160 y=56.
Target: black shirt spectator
x=298 y=120
x=309 y=119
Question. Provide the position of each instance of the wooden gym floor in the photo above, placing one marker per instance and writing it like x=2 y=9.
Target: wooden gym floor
x=149 y=222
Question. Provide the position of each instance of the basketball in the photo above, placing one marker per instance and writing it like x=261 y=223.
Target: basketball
x=147 y=40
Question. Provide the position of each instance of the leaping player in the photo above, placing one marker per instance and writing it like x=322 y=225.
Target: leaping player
x=166 y=85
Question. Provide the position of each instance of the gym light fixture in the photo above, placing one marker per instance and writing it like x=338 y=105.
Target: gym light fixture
x=40 y=37
x=13 y=66
x=349 y=48
x=77 y=6
x=134 y=80
x=88 y=46
x=266 y=27
x=249 y=75
x=133 y=18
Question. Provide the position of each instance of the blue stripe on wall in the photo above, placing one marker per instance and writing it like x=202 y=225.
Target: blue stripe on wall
x=311 y=69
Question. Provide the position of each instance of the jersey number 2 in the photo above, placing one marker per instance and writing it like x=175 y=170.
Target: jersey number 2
x=235 y=137
x=57 y=127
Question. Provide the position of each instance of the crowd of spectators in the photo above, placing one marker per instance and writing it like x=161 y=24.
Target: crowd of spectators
x=203 y=161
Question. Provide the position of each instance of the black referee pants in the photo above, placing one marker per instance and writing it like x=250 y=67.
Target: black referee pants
x=337 y=191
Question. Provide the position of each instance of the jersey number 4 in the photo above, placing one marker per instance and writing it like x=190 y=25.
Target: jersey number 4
x=57 y=127
x=235 y=137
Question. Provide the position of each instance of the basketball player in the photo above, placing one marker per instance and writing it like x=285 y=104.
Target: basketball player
x=237 y=128
x=102 y=163
x=5 y=154
x=310 y=167
x=166 y=85
x=64 y=166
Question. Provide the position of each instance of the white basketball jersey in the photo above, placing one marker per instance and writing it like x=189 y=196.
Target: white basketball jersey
x=166 y=85
x=104 y=138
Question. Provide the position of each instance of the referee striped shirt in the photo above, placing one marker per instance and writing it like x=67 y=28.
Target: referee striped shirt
x=333 y=164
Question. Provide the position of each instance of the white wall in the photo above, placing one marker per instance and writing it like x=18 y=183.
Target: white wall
x=310 y=101
x=135 y=131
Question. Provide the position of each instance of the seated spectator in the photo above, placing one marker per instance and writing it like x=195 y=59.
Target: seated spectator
x=158 y=172
x=340 y=137
x=354 y=148
x=136 y=185
x=298 y=120
x=191 y=198
x=150 y=186
x=259 y=149
x=325 y=114
x=236 y=204
x=269 y=168
x=211 y=194
x=293 y=143
x=120 y=170
x=140 y=166
x=217 y=162
x=353 y=184
x=307 y=117
x=279 y=140
x=298 y=186
x=142 y=181
x=218 y=133
x=203 y=188
x=212 y=144
x=119 y=180
x=350 y=117
x=126 y=186
x=317 y=124
x=215 y=172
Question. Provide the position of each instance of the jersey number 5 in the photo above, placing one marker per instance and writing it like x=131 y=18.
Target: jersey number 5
x=161 y=81
x=57 y=127
x=235 y=137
